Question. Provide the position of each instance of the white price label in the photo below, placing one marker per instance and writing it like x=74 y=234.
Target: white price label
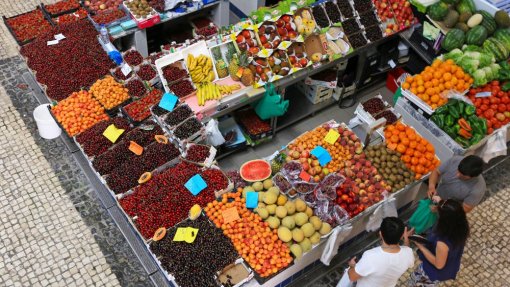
x=210 y=159
x=126 y=69
x=51 y=43
x=392 y=64
x=60 y=37
x=483 y=95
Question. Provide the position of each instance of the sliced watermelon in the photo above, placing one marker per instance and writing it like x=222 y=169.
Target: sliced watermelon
x=255 y=170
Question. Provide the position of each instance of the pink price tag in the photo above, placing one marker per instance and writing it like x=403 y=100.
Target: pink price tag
x=305 y=176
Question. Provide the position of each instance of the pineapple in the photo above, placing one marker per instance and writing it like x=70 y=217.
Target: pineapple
x=221 y=67
x=233 y=62
x=248 y=77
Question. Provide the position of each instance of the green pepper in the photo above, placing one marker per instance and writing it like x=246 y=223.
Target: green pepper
x=449 y=120
x=450 y=131
x=456 y=128
x=454 y=112
x=506 y=87
x=442 y=109
x=475 y=124
x=462 y=141
x=476 y=138
x=469 y=110
x=483 y=124
x=438 y=120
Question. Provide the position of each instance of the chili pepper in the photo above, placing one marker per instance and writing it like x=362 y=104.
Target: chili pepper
x=465 y=134
x=464 y=124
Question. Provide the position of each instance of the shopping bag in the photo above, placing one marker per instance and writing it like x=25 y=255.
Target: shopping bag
x=495 y=146
x=271 y=104
x=387 y=208
x=337 y=236
x=423 y=218
x=345 y=281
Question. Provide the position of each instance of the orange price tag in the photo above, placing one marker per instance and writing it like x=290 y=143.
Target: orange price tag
x=135 y=148
x=230 y=215
x=240 y=72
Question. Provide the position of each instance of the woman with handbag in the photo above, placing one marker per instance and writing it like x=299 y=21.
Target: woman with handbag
x=442 y=254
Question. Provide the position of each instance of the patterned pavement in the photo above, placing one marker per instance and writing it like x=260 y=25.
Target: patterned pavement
x=53 y=230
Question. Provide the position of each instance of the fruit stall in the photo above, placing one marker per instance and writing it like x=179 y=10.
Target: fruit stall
x=143 y=128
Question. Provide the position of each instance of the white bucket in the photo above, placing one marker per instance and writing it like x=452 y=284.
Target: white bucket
x=48 y=128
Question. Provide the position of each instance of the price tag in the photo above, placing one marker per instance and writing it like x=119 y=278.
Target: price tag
x=230 y=215
x=59 y=37
x=483 y=95
x=195 y=184
x=322 y=155
x=392 y=64
x=51 y=43
x=135 y=148
x=331 y=136
x=126 y=69
x=305 y=176
x=212 y=154
x=112 y=133
x=168 y=101
x=252 y=199
x=146 y=127
x=187 y=234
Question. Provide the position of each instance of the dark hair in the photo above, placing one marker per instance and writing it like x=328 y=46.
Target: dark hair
x=452 y=223
x=471 y=165
x=392 y=229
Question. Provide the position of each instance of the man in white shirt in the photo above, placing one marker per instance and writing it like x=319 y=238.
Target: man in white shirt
x=382 y=266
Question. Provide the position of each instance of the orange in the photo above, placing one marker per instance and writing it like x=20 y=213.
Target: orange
x=434 y=99
x=447 y=76
x=412 y=144
x=437 y=75
x=406 y=158
x=409 y=79
x=414 y=161
x=421 y=89
x=459 y=74
x=405 y=141
x=401 y=148
x=394 y=139
x=406 y=86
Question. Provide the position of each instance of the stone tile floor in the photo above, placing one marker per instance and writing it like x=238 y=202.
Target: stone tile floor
x=53 y=230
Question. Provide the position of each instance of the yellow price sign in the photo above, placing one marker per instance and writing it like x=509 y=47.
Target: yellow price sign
x=112 y=133
x=332 y=136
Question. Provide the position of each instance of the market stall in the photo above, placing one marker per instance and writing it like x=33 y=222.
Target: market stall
x=148 y=128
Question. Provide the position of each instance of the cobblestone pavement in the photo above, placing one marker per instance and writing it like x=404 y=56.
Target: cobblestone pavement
x=486 y=258
x=53 y=229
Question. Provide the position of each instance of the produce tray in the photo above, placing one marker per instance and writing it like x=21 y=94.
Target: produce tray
x=169 y=127
x=253 y=137
x=320 y=6
x=200 y=48
x=43 y=6
x=110 y=24
x=174 y=59
x=207 y=163
x=22 y=43
x=417 y=101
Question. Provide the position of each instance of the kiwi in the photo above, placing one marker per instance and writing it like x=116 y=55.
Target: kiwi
x=464 y=16
x=451 y=18
x=462 y=26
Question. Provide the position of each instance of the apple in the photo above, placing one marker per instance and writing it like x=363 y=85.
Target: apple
x=306 y=166
x=303 y=62
x=246 y=34
x=286 y=18
x=280 y=23
x=317 y=178
x=263 y=39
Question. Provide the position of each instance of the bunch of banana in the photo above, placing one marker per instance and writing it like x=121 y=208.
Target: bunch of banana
x=200 y=68
x=207 y=91
x=228 y=89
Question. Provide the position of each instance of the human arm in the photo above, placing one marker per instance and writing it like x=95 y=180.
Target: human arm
x=353 y=276
x=475 y=195
x=467 y=207
x=439 y=259
x=433 y=180
x=407 y=234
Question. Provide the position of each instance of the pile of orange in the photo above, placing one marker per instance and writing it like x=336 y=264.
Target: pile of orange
x=78 y=112
x=109 y=92
x=435 y=80
x=251 y=236
x=416 y=152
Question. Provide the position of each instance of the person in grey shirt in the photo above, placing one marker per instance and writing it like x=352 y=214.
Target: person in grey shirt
x=459 y=178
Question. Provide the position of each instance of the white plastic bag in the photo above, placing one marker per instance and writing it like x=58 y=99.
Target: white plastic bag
x=337 y=237
x=214 y=136
x=345 y=281
x=386 y=209
x=495 y=146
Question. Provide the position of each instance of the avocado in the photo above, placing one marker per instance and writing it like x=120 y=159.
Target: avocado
x=502 y=19
x=451 y=18
x=462 y=26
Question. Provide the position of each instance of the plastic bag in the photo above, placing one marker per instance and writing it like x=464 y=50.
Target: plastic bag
x=423 y=218
x=214 y=136
x=335 y=239
x=282 y=182
x=495 y=146
x=331 y=213
x=345 y=281
x=271 y=105
x=303 y=187
x=387 y=208
x=292 y=170
x=327 y=187
x=310 y=199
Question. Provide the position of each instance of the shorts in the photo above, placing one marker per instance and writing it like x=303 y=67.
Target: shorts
x=420 y=279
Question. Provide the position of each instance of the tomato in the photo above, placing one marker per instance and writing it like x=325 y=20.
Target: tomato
x=486 y=101
x=477 y=102
x=505 y=99
x=497 y=125
x=472 y=92
x=508 y=107
x=490 y=131
x=495 y=90
x=494 y=121
x=501 y=94
x=489 y=124
x=489 y=114
x=484 y=107
x=495 y=83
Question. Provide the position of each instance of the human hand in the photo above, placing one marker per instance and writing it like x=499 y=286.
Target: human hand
x=352 y=262
x=433 y=208
x=436 y=198
x=408 y=233
x=431 y=191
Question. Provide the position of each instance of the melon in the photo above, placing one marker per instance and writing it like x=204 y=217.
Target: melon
x=255 y=170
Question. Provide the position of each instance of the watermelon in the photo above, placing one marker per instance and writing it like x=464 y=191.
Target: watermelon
x=450 y=2
x=503 y=35
x=466 y=6
x=255 y=170
x=488 y=21
x=476 y=36
x=437 y=11
x=454 y=39
x=496 y=48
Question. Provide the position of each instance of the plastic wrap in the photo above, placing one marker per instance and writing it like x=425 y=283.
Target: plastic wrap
x=331 y=213
x=327 y=187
